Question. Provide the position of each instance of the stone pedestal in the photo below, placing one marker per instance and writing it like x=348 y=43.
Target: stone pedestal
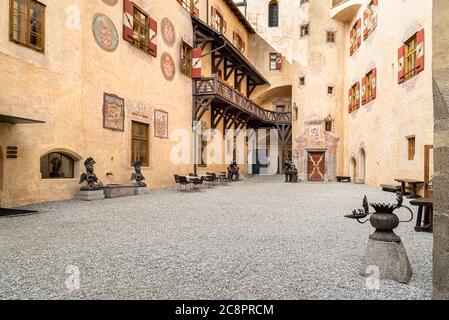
x=142 y=190
x=90 y=195
x=390 y=258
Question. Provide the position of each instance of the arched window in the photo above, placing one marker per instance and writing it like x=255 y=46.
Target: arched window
x=273 y=14
x=56 y=165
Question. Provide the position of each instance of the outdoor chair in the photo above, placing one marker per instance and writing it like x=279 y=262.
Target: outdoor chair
x=223 y=177
x=213 y=178
x=177 y=182
x=184 y=182
x=197 y=183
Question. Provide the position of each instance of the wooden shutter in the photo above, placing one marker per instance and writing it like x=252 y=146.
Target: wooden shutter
x=278 y=61
x=374 y=16
x=128 y=21
x=351 y=49
x=196 y=63
x=195 y=9
x=225 y=26
x=357 y=95
x=153 y=37
x=366 y=17
x=401 y=61
x=359 y=32
x=213 y=20
x=350 y=100
x=364 y=91
x=374 y=84
x=420 y=51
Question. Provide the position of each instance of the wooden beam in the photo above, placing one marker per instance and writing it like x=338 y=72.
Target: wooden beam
x=229 y=68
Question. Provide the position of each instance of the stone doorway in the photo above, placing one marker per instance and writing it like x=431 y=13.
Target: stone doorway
x=362 y=167
x=353 y=169
x=316 y=166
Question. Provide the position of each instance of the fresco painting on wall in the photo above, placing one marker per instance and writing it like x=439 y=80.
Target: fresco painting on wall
x=161 y=124
x=105 y=33
x=113 y=113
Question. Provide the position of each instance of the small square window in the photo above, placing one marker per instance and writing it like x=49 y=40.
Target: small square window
x=330 y=90
x=411 y=145
x=304 y=31
x=330 y=37
x=302 y=81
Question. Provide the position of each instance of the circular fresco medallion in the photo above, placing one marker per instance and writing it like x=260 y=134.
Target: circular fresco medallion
x=168 y=32
x=110 y=2
x=168 y=66
x=105 y=32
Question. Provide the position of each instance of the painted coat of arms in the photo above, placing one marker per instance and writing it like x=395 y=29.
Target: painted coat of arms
x=168 y=66
x=113 y=112
x=161 y=124
x=105 y=33
x=168 y=32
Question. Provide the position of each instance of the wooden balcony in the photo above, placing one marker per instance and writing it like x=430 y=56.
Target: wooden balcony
x=213 y=91
x=345 y=10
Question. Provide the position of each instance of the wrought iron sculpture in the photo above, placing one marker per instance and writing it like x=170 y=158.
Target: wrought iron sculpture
x=383 y=219
x=233 y=171
x=90 y=177
x=291 y=173
x=137 y=175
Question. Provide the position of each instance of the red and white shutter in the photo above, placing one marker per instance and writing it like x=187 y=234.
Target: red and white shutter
x=374 y=84
x=357 y=95
x=420 y=51
x=196 y=63
x=374 y=14
x=351 y=49
x=153 y=37
x=350 y=100
x=128 y=21
x=359 y=32
x=366 y=24
x=213 y=14
x=278 y=61
x=195 y=9
x=364 y=91
x=401 y=65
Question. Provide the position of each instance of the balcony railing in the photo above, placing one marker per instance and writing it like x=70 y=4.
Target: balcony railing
x=214 y=86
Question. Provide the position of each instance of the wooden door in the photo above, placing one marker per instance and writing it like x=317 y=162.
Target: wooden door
x=316 y=166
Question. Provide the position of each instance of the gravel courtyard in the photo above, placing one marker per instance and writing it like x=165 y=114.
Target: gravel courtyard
x=255 y=239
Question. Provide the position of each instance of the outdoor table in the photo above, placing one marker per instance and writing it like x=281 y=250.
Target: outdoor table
x=424 y=205
x=413 y=183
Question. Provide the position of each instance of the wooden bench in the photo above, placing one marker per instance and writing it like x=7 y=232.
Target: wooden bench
x=424 y=206
x=390 y=188
x=343 y=179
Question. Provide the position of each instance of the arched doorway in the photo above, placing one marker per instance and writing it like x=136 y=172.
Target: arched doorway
x=353 y=169
x=362 y=166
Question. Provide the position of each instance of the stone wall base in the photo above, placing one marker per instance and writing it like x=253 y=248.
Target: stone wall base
x=90 y=195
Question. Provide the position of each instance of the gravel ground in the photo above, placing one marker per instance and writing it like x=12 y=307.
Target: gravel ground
x=256 y=239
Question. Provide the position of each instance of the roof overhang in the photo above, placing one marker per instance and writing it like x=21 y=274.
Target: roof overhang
x=4 y=118
x=235 y=9
x=230 y=50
